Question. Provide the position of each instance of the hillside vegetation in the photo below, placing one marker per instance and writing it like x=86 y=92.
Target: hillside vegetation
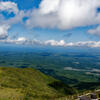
x=30 y=84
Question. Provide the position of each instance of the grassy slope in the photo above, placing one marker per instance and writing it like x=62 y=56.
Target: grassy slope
x=30 y=84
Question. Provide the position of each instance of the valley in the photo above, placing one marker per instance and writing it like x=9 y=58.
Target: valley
x=74 y=69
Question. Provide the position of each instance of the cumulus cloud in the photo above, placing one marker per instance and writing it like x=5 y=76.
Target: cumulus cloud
x=62 y=43
x=4 y=31
x=12 y=7
x=49 y=6
x=9 y=7
x=65 y=14
x=85 y=44
x=73 y=44
x=5 y=24
x=55 y=43
x=22 y=41
x=18 y=18
x=61 y=14
x=19 y=40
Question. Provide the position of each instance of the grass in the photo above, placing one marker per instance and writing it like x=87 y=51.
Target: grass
x=30 y=84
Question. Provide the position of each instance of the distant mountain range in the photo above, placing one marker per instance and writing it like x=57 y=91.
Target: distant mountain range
x=55 y=49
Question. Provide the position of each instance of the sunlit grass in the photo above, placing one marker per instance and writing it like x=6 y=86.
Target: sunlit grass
x=30 y=84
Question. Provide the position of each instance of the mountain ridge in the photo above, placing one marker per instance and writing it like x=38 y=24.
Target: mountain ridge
x=30 y=84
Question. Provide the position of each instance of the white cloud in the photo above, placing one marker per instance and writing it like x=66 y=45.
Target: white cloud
x=9 y=7
x=19 y=40
x=55 y=43
x=73 y=44
x=22 y=41
x=5 y=24
x=18 y=18
x=62 y=14
x=65 y=14
x=4 y=31
x=95 y=31
x=62 y=43
x=93 y=44
x=49 y=6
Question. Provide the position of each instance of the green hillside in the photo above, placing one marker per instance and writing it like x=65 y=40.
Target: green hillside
x=30 y=84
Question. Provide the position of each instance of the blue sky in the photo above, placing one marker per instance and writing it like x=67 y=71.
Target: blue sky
x=50 y=22
x=26 y=4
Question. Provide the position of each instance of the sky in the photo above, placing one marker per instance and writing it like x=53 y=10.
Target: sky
x=65 y=23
